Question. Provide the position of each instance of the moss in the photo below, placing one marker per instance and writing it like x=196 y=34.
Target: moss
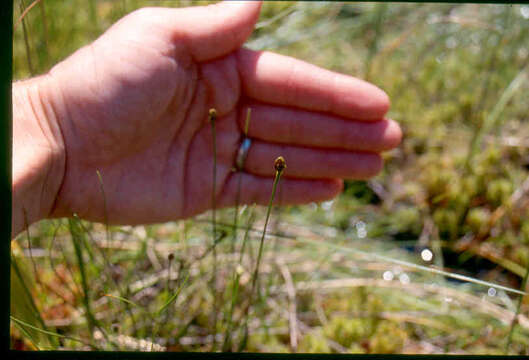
x=521 y=256
x=406 y=221
x=499 y=191
x=388 y=338
x=446 y=221
x=263 y=342
x=347 y=331
x=477 y=220
x=314 y=342
x=471 y=185
x=356 y=349
x=524 y=230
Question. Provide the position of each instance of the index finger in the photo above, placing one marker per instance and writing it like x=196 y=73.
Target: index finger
x=283 y=80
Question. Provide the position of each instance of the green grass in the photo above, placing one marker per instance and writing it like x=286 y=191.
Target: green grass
x=457 y=77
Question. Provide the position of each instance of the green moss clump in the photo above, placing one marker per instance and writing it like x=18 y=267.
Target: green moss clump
x=499 y=191
x=477 y=220
x=524 y=231
x=314 y=342
x=471 y=185
x=263 y=342
x=521 y=256
x=356 y=349
x=389 y=338
x=447 y=222
x=406 y=220
x=346 y=331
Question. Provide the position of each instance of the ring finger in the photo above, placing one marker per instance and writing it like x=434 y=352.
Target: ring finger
x=311 y=163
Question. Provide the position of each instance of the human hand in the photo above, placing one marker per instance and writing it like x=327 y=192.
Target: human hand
x=134 y=104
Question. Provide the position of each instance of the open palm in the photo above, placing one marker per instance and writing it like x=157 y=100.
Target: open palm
x=134 y=106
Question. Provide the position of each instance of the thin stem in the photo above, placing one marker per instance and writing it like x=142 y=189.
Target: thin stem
x=50 y=333
x=239 y=186
x=78 y=240
x=19 y=273
x=45 y=33
x=105 y=209
x=107 y=267
x=212 y=120
x=484 y=94
x=26 y=39
x=25 y=12
x=378 y=19
x=279 y=166
x=235 y=287
x=170 y=259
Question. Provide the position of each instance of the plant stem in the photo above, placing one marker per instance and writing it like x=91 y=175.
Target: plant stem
x=78 y=241
x=378 y=19
x=50 y=333
x=212 y=119
x=239 y=185
x=235 y=288
x=280 y=166
x=105 y=209
x=26 y=41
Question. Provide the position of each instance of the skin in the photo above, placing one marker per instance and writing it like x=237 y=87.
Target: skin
x=134 y=105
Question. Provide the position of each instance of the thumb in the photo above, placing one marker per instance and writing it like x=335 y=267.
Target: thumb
x=215 y=30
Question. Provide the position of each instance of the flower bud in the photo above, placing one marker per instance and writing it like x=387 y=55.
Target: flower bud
x=212 y=115
x=280 y=164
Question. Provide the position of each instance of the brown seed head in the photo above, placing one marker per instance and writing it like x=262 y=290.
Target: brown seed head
x=170 y=257
x=212 y=115
x=280 y=164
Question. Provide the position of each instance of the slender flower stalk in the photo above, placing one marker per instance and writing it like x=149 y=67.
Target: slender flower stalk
x=280 y=166
x=107 y=264
x=105 y=210
x=212 y=117
x=237 y=270
x=239 y=185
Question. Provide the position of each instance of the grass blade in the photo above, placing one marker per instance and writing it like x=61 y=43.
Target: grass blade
x=122 y=299
x=173 y=297
x=411 y=265
x=50 y=333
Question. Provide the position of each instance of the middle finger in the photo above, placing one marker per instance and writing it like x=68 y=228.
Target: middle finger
x=291 y=126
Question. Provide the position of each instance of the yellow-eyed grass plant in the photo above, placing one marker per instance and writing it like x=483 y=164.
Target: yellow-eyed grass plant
x=212 y=117
x=78 y=245
x=280 y=166
x=239 y=184
x=107 y=264
x=236 y=273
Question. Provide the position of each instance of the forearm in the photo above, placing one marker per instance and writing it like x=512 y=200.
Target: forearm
x=38 y=153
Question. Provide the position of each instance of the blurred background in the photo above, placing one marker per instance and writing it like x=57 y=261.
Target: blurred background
x=430 y=257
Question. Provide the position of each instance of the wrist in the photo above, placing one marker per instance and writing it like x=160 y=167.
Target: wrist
x=38 y=152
